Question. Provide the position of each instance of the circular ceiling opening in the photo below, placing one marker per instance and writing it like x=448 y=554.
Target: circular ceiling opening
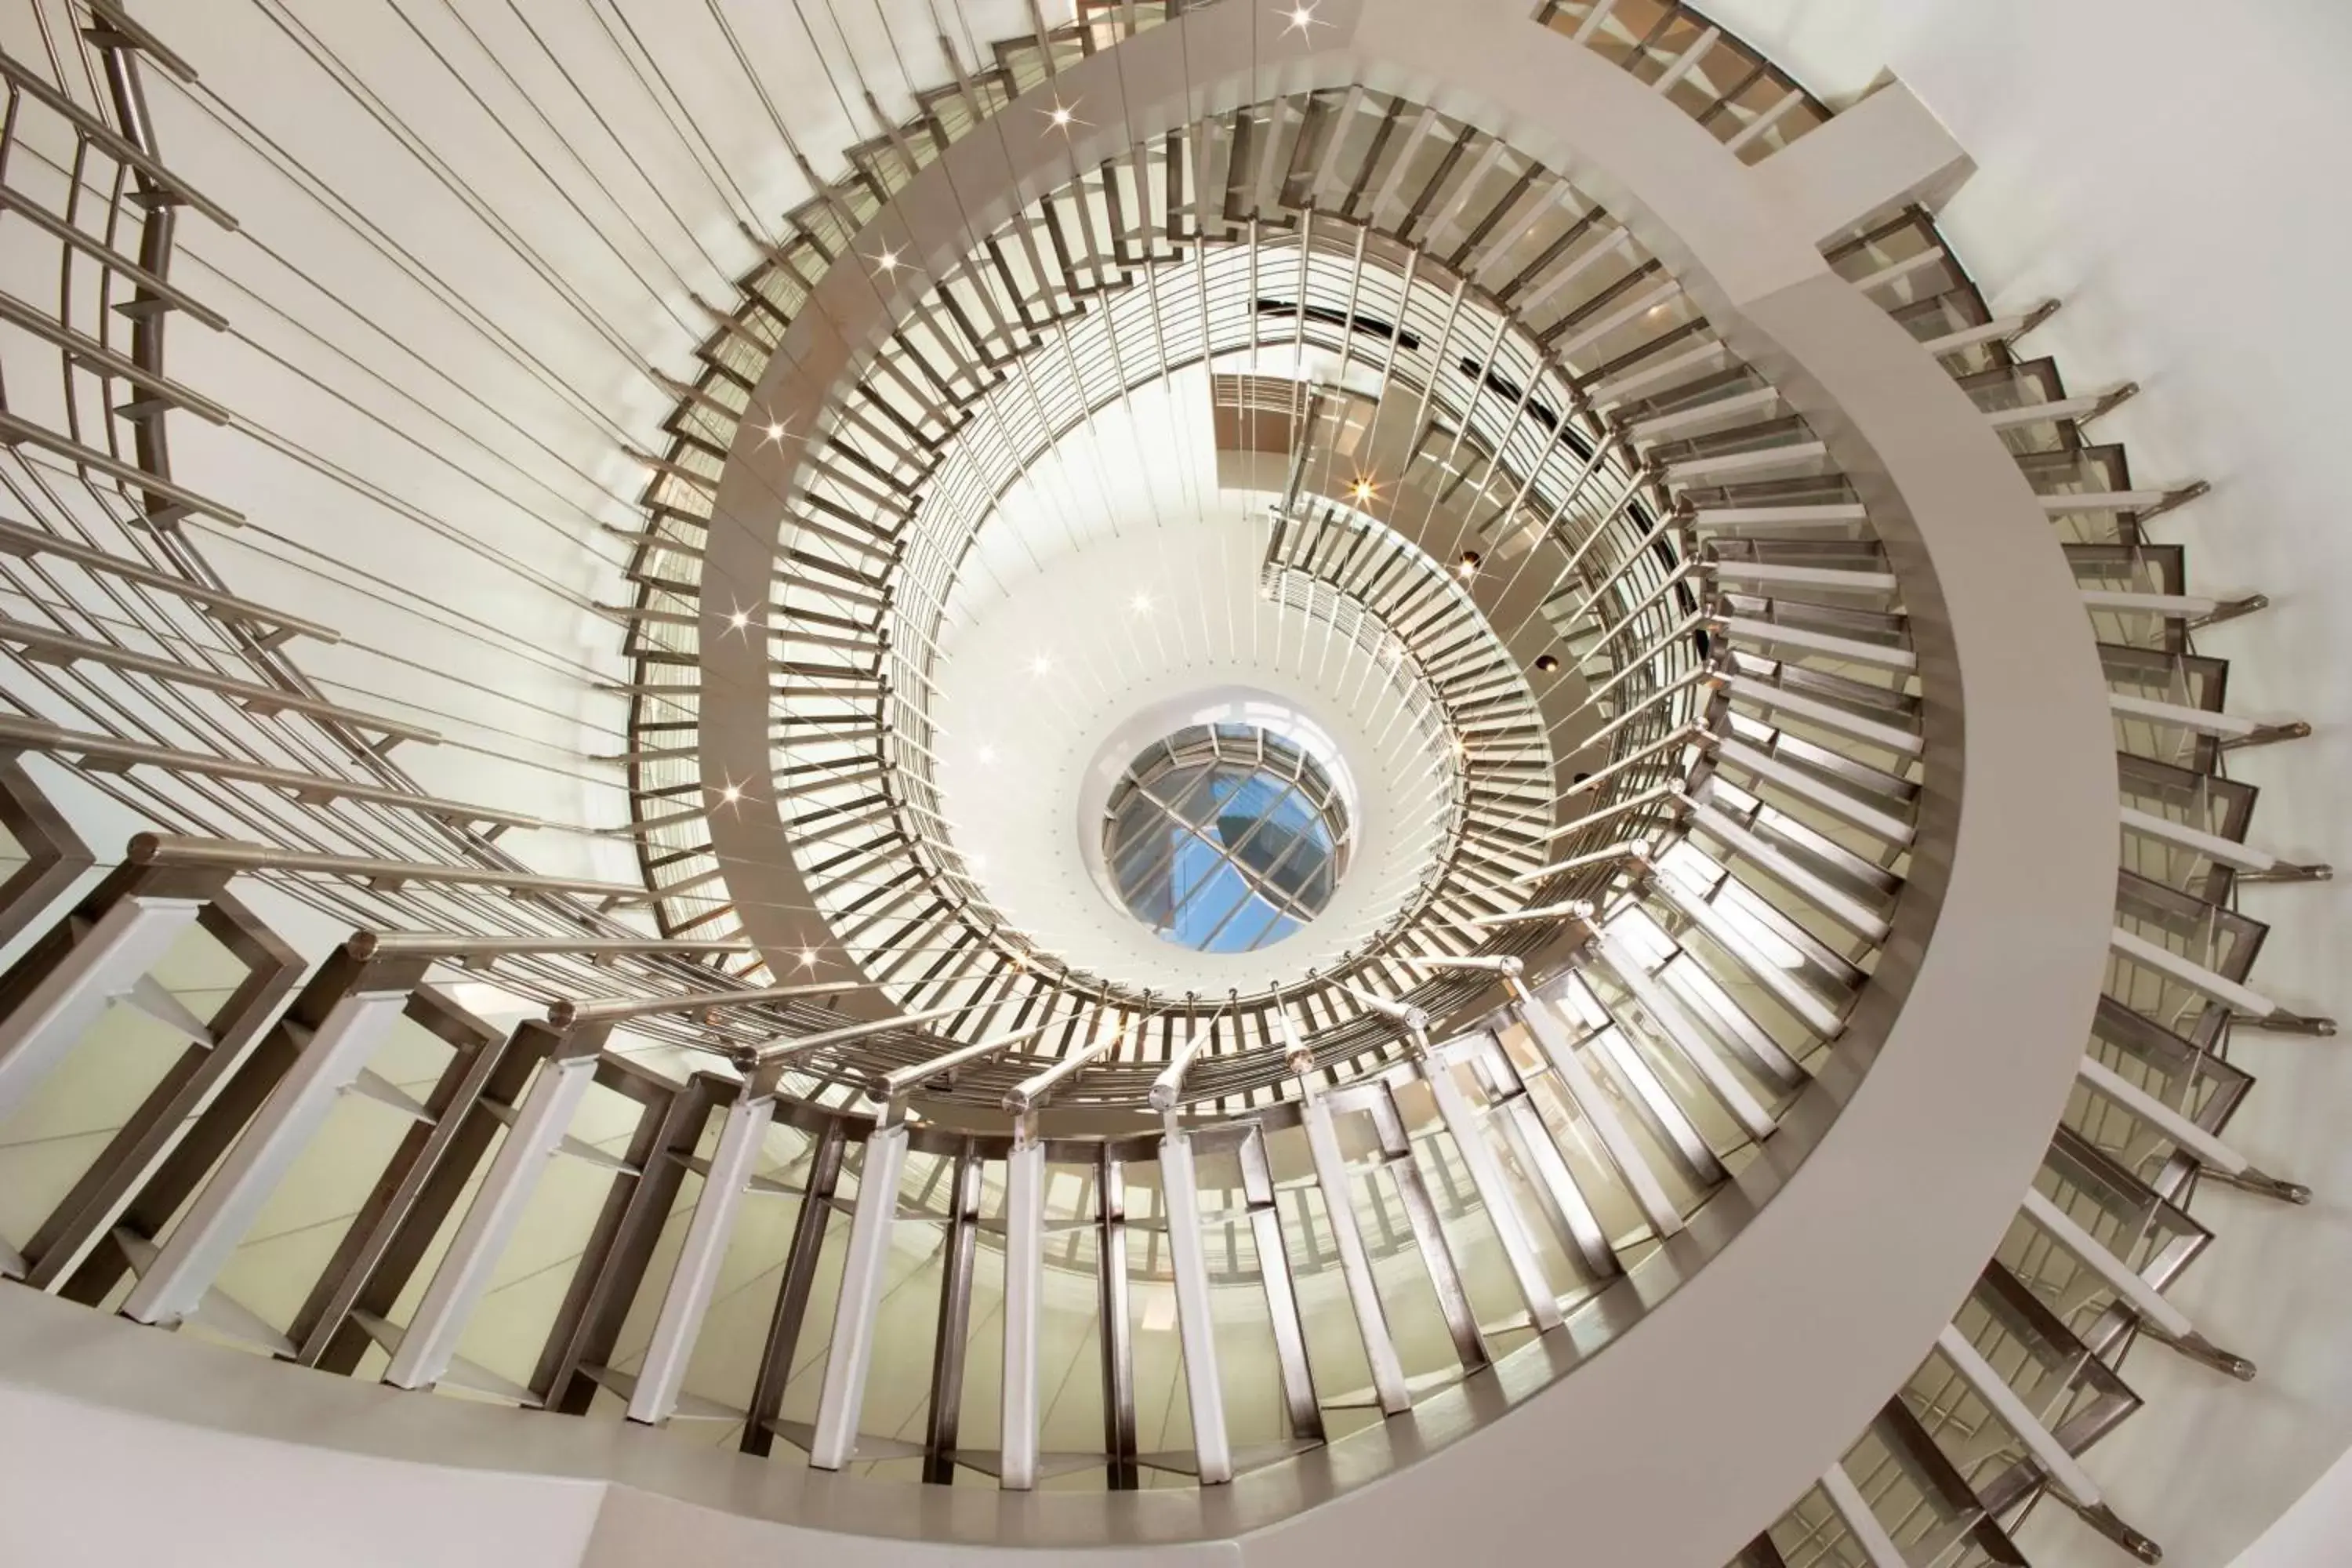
x=1225 y=837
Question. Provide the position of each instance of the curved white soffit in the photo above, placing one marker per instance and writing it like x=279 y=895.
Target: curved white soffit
x=1738 y=1391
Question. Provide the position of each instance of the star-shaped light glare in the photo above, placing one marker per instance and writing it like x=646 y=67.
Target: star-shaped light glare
x=808 y=958
x=886 y=261
x=1362 y=490
x=1061 y=117
x=1140 y=604
x=1299 y=18
x=739 y=620
x=732 y=793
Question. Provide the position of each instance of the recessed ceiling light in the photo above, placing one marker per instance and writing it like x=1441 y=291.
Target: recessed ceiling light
x=1363 y=491
x=732 y=794
x=1469 y=567
x=808 y=958
x=1041 y=664
x=1140 y=602
x=1546 y=663
x=740 y=619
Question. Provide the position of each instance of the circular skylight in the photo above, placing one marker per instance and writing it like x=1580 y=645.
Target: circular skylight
x=1225 y=837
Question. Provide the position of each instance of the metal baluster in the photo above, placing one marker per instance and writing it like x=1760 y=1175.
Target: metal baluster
x=792 y=1292
x=954 y=1330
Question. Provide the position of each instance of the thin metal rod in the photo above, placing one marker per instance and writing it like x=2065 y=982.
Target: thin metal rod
x=73 y=744
x=1031 y=1091
x=896 y=1084
x=801 y=1045
x=435 y=944
x=615 y=1009
x=257 y=698
x=18 y=539
x=171 y=849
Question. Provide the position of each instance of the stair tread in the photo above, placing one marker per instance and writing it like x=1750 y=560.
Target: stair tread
x=688 y=1407
x=372 y=1085
x=802 y=1435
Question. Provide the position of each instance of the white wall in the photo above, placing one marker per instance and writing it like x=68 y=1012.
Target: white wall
x=2175 y=171
x=90 y=1484
x=2312 y=1533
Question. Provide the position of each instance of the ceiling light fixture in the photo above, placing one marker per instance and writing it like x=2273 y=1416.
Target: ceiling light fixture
x=1041 y=664
x=1299 y=18
x=1363 y=491
x=1546 y=663
x=887 y=262
x=1140 y=604
x=1469 y=567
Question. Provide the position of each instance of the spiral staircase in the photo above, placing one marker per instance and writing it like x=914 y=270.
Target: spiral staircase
x=1746 y=728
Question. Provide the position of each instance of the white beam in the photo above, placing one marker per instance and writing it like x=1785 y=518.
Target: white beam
x=2135 y=1292
x=1800 y=999
x=2196 y=977
x=1195 y=1320
x=1355 y=1263
x=430 y=1340
x=1884 y=656
x=1688 y=1038
x=2212 y=846
x=2199 y=1143
x=841 y=1399
x=1885 y=825
x=1862 y=1520
x=1502 y=1208
x=106 y=962
x=1024 y=1270
x=1832 y=901
x=1585 y=1091
x=1993 y=1389
x=2227 y=726
x=699 y=1258
x=185 y=1268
